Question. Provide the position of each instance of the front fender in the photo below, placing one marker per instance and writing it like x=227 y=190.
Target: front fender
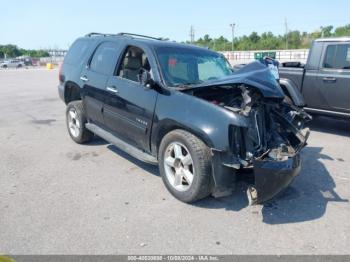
x=207 y=121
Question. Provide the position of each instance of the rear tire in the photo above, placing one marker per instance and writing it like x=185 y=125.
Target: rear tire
x=185 y=166
x=76 y=120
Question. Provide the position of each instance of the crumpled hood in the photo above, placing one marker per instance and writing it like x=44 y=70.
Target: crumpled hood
x=254 y=74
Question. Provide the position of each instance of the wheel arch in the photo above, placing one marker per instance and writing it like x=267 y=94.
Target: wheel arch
x=291 y=90
x=72 y=92
x=169 y=126
x=222 y=178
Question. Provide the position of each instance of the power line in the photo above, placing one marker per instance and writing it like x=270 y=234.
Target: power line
x=286 y=26
x=192 y=34
x=233 y=35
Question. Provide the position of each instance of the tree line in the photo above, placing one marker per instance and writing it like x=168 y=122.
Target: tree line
x=268 y=41
x=14 y=51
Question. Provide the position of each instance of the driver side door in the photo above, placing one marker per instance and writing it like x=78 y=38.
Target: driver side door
x=128 y=110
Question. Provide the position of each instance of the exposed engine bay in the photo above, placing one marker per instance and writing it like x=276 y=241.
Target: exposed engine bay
x=276 y=128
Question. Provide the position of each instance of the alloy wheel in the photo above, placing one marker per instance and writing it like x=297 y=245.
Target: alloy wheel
x=178 y=165
x=73 y=122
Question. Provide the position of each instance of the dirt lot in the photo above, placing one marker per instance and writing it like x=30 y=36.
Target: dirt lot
x=58 y=197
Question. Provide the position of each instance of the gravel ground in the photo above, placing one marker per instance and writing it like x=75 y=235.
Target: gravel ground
x=58 y=197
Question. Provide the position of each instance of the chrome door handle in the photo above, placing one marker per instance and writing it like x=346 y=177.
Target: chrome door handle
x=112 y=89
x=84 y=78
x=329 y=79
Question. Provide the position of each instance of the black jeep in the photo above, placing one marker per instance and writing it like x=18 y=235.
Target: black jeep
x=183 y=108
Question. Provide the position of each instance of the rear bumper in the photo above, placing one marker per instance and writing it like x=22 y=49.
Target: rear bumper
x=271 y=177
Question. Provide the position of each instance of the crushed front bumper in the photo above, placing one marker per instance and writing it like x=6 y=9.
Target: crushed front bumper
x=271 y=177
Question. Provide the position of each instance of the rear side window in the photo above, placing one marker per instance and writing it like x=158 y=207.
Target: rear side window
x=77 y=51
x=337 y=57
x=105 y=58
x=342 y=57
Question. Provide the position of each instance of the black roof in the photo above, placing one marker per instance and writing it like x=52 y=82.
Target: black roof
x=148 y=40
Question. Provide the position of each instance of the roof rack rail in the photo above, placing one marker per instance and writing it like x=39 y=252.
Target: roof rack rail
x=99 y=34
x=137 y=35
x=122 y=34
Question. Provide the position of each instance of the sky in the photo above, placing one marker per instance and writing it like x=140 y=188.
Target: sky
x=56 y=24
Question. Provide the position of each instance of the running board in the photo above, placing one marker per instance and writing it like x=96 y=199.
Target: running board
x=131 y=150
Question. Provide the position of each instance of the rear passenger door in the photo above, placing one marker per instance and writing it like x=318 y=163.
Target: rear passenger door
x=128 y=110
x=333 y=78
x=94 y=76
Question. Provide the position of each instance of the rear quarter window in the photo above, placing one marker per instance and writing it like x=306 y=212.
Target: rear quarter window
x=105 y=58
x=77 y=52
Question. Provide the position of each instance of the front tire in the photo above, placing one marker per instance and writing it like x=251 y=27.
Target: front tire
x=76 y=120
x=185 y=166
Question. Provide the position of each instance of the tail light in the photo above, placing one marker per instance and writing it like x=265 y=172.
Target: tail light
x=60 y=76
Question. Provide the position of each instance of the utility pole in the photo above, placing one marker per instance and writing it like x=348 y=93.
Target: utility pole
x=233 y=35
x=192 y=34
x=286 y=26
x=322 y=32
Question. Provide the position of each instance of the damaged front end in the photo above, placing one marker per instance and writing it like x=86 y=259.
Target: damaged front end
x=272 y=137
x=270 y=144
x=275 y=154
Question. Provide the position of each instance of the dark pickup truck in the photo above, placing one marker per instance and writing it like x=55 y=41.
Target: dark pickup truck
x=322 y=85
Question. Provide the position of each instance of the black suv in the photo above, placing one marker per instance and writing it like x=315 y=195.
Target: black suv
x=183 y=108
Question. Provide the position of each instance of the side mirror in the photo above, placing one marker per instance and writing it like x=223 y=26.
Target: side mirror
x=145 y=78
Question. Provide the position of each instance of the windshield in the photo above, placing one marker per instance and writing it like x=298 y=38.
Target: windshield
x=189 y=66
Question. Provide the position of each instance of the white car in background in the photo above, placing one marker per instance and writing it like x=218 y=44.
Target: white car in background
x=13 y=63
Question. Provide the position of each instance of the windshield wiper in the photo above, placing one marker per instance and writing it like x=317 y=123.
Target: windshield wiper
x=187 y=85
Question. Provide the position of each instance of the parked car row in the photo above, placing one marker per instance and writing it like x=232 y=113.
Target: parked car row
x=12 y=63
x=21 y=62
